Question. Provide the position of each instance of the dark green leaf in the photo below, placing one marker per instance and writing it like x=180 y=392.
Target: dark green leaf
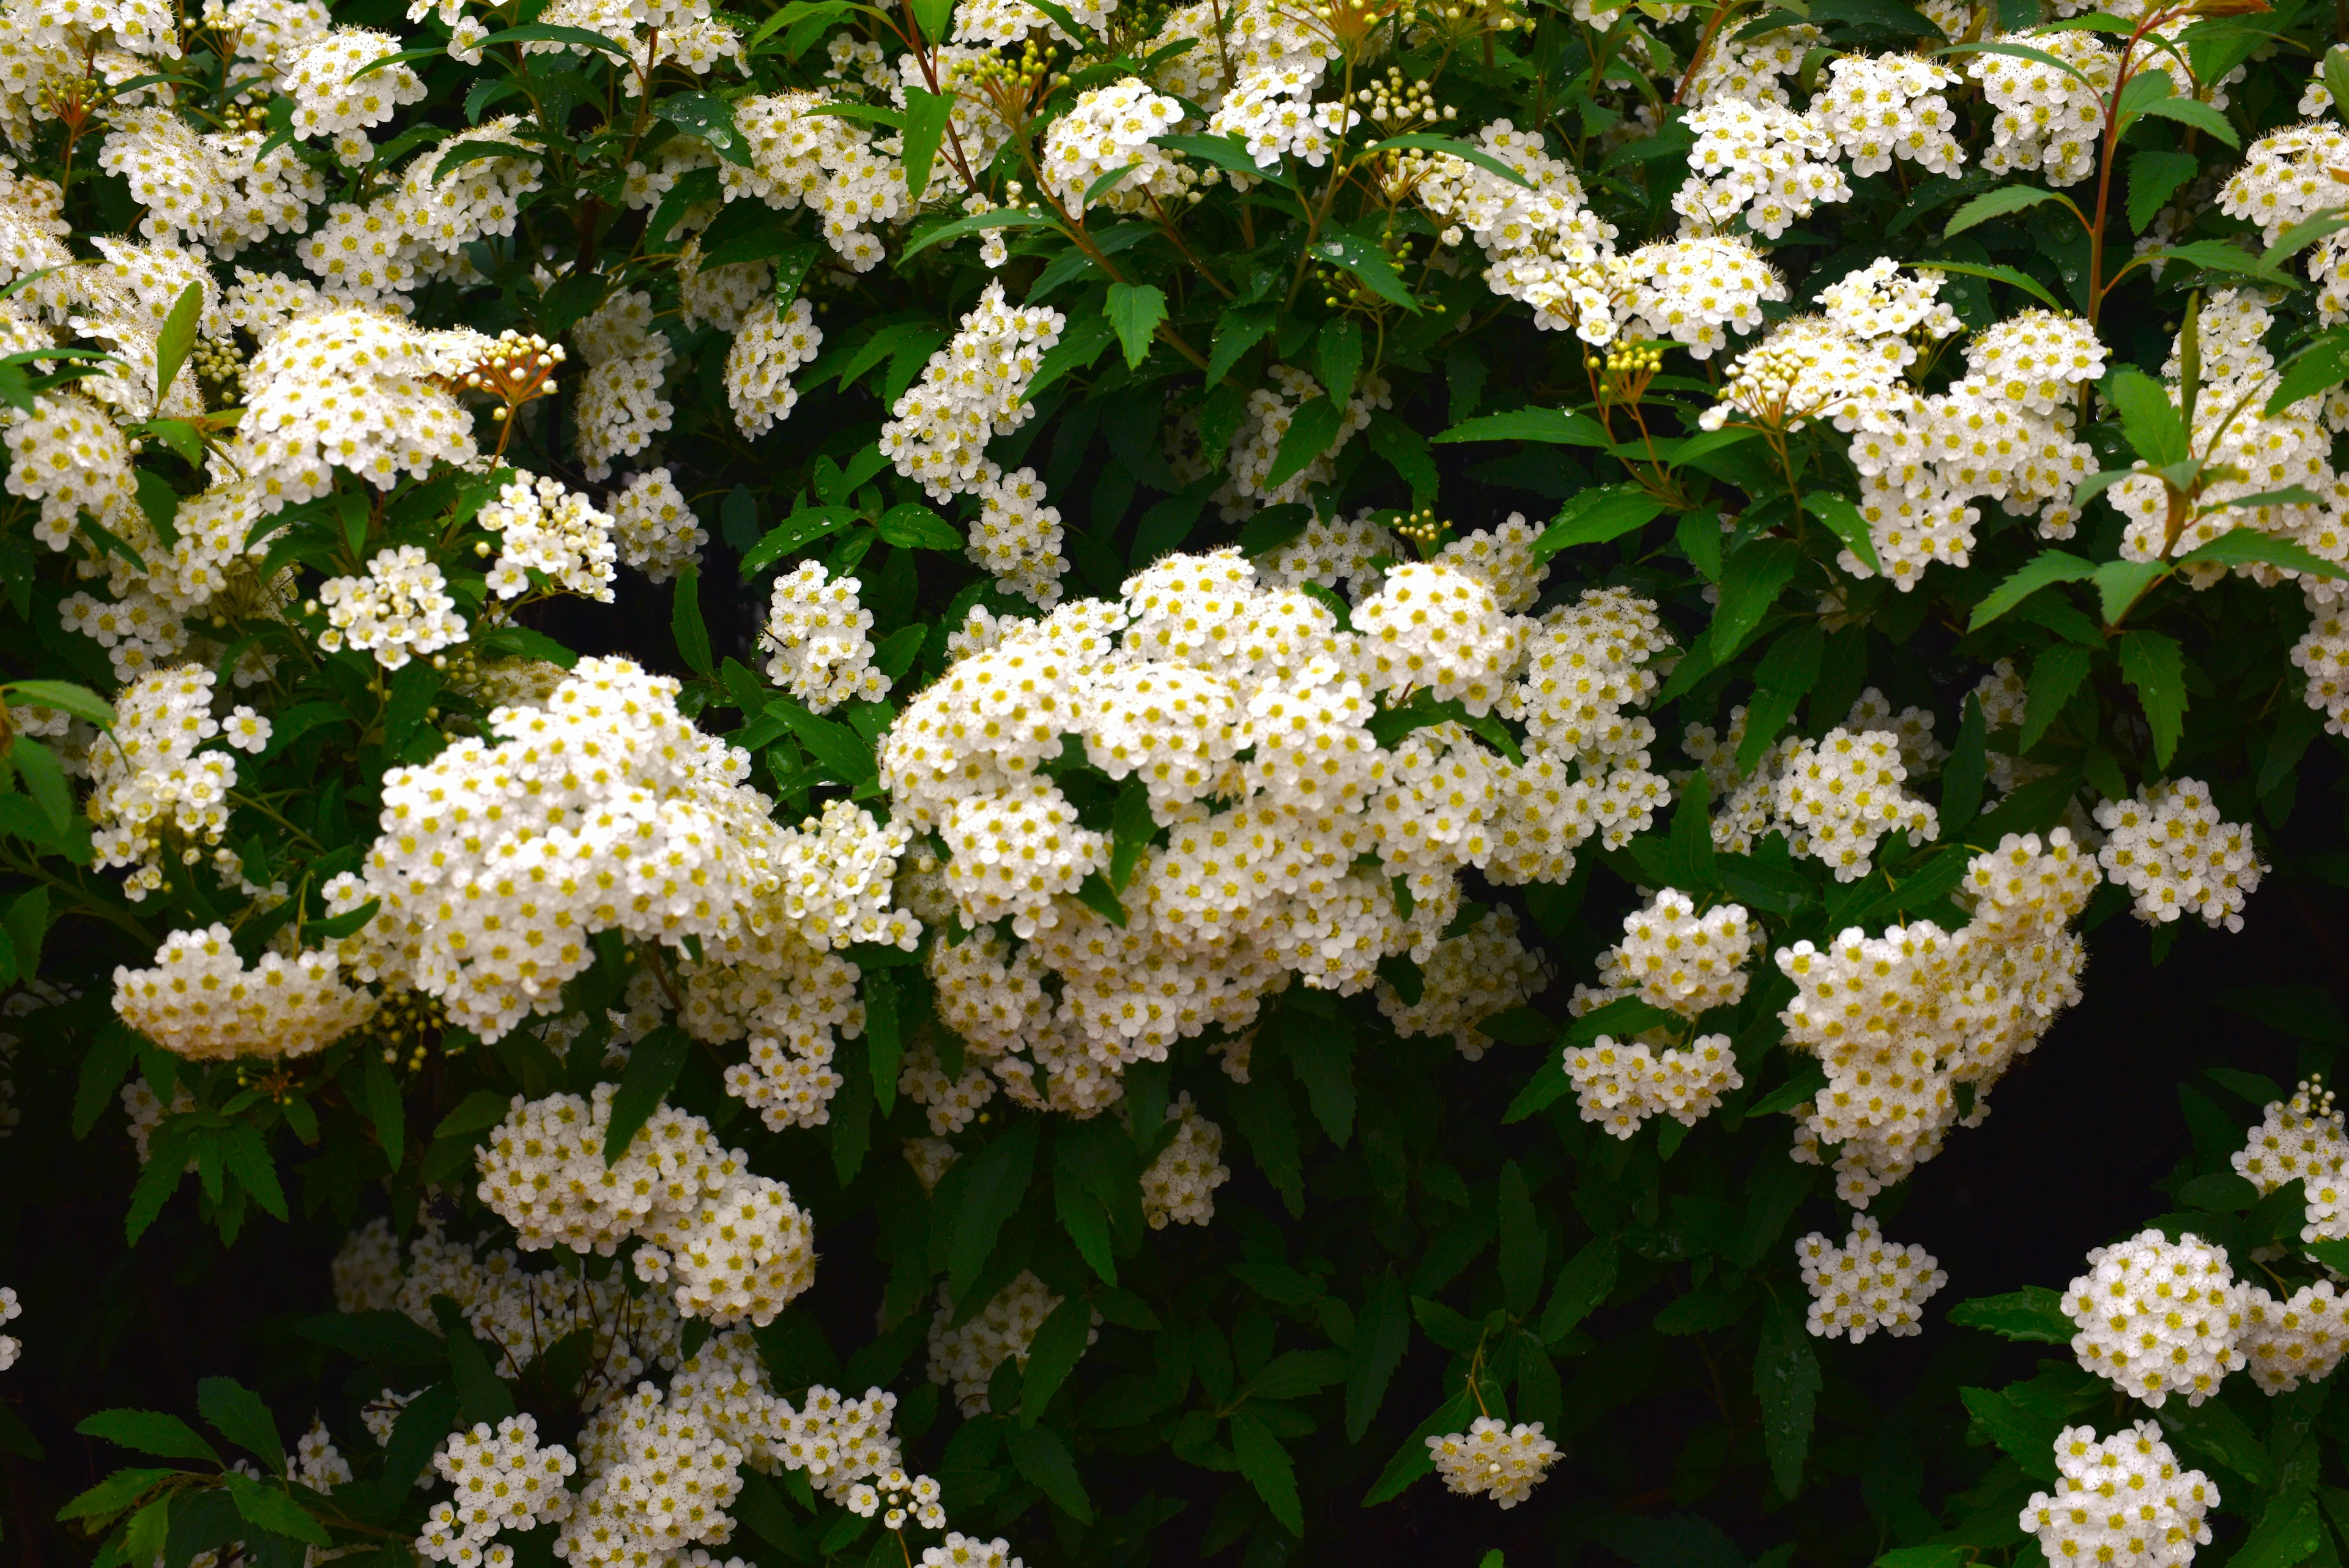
x=1556 y=426
x=2156 y=667
x=1524 y=1244
x=1997 y=203
x=1382 y=1333
x=911 y=525
x=272 y=1509
x=2034 y=1312
x=1368 y=262
x=237 y=1413
x=2153 y=179
x=148 y=1432
x=1052 y=1356
x=654 y=1063
x=925 y=127
x=685 y=624
x=1266 y=1466
x=1135 y=310
x=1593 y=516
x=1787 y=1379
x=2046 y=567
x=1039 y=1456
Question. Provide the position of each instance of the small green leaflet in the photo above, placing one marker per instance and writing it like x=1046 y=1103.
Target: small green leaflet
x=2021 y=280
x=1595 y=516
x=1998 y=204
x=1557 y=426
x=178 y=340
x=1135 y=309
x=711 y=118
x=1311 y=429
x=2048 y=567
x=1428 y=141
x=2156 y=666
x=2153 y=179
x=1843 y=520
x=1369 y=263
x=2193 y=113
x=2034 y=1313
x=910 y=526
x=925 y=125
x=2245 y=546
x=1002 y=218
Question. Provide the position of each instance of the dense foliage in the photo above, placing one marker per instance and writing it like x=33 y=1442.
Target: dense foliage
x=1110 y=782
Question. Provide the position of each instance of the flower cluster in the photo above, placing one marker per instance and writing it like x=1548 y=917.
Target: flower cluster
x=653 y=528
x=770 y=346
x=1113 y=127
x=2303 y=1139
x=1835 y=798
x=966 y=1349
x=1867 y=1283
x=1899 y=1021
x=547 y=531
x=400 y=608
x=1494 y=1460
x=1673 y=958
x=150 y=787
x=2120 y=1499
x=973 y=390
x=202 y=1002
x=1620 y=1086
x=2169 y=847
x=817 y=629
x=1179 y=1186
x=503 y=1480
x=2158 y=1317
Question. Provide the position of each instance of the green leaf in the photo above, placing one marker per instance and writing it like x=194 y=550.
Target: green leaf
x=2196 y=114
x=2154 y=428
x=2246 y=546
x=1337 y=352
x=1240 y=328
x=1751 y=582
x=1787 y=1379
x=1135 y=310
x=996 y=1183
x=109 y=1497
x=925 y=127
x=480 y=1109
x=685 y=624
x=1524 y=1244
x=383 y=1338
x=1582 y=1285
x=178 y=339
x=1266 y=1464
x=711 y=118
x=910 y=526
x=1997 y=204
x=2025 y=52
x=1322 y=1053
x=1312 y=430
x=2156 y=667
x=2218 y=255
x=541 y=33
x=383 y=1108
x=1963 y=774
x=2033 y=1313
x=2153 y=179
x=237 y=1413
x=1368 y=262
x=272 y=1509
x=65 y=697
x=1381 y=1335
x=653 y=1064
x=1467 y=152
x=2289 y=1532
x=2047 y=567
x=1412 y=1459
x=1052 y=1356
x=44 y=781
x=1843 y=521
x=2021 y=280
x=1039 y=1456
x=1269 y=1125
x=835 y=746
x=1593 y=516
x=2055 y=675
x=1558 y=427
x=482 y=1396
x=248 y=1160
x=2120 y=582
x=795 y=533
x=477 y=151
x=978 y=222
x=150 y=1432
x=111 y=1050
x=1228 y=152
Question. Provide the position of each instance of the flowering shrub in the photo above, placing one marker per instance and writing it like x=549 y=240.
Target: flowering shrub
x=1019 y=782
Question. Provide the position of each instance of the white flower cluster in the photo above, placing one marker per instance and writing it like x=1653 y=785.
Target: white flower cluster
x=1867 y=1283
x=68 y=455
x=1467 y=979
x=2296 y=1340
x=2120 y=1501
x=1494 y=1460
x=736 y=1245
x=1329 y=551
x=150 y=785
x=1834 y=798
x=1111 y=128
x=318 y=1463
x=546 y=529
x=897 y=1496
x=950 y=1104
x=2167 y=846
x=2303 y=1139
x=1271 y=111
x=400 y=608
x=1673 y=958
x=770 y=346
x=602 y=809
x=1179 y=1187
x=200 y=1000
x=318 y=76
x=2251 y=453
x=2286 y=178
x=817 y=628
x=418 y=231
x=1620 y=1086
x=356 y=388
x=653 y=527
x=824 y=162
x=1018 y=538
x=2048 y=118
x=208 y=187
x=1255 y=449
x=2323 y=655
x=1261 y=876
x=1881 y=107
x=961 y=1551
x=964 y=1356
x=1763 y=162
x=620 y=407
x=503 y=1479
x=973 y=390
x=2158 y=1317
x=1899 y=1021
x=11 y=1347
